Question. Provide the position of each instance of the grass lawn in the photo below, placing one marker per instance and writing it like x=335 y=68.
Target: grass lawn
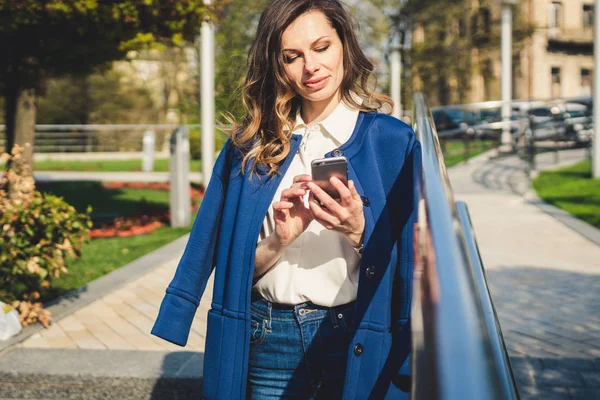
x=160 y=165
x=454 y=151
x=101 y=256
x=572 y=189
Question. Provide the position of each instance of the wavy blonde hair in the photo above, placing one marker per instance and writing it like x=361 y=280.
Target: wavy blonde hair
x=268 y=96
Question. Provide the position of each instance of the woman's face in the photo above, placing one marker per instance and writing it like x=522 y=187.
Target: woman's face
x=313 y=57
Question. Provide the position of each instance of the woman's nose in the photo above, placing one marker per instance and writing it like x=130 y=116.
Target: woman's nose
x=311 y=65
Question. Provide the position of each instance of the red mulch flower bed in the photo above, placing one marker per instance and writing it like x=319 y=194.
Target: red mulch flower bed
x=142 y=224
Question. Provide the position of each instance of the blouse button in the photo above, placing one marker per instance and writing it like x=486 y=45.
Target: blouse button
x=337 y=153
x=365 y=201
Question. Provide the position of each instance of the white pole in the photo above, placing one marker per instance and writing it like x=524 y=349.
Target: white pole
x=207 y=104
x=506 y=139
x=596 y=156
x=396 y=77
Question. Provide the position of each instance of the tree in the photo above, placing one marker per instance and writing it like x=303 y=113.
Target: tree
x=455 y=40
x=46 y=38
x=233 y=37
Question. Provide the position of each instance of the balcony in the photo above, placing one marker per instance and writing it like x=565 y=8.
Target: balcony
x=577 y=36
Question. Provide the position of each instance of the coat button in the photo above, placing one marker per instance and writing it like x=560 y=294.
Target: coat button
x=370 y=272
x=365 y=201
x=337 y=153
x=358 y=350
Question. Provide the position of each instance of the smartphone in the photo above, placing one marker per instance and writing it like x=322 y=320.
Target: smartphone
x=325 y=168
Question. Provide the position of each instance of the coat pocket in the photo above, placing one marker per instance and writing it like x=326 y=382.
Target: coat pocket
x=213 y=349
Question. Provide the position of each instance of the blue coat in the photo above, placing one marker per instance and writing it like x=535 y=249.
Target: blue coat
x=385 y=163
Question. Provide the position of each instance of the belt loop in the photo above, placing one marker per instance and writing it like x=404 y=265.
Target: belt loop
x=270 y=307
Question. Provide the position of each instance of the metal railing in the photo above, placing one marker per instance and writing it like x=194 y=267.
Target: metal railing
x=98 y=138
x=458 y=350
x=536 y=125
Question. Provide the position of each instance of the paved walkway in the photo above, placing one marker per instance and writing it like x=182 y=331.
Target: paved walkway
x=544 y=277
x=122 y=320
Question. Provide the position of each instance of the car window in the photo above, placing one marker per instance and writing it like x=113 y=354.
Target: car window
x=541 y=112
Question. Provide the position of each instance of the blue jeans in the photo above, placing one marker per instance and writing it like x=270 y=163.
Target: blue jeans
x=298 y=352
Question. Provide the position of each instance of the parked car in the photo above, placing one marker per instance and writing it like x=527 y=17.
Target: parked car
x=562 y=121
x=452 y=121
x=578 y=121
x=488 y=123
x=546 y=122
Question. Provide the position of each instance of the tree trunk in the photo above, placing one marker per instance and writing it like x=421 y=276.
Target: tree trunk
x=22 y=122
x=10 y=107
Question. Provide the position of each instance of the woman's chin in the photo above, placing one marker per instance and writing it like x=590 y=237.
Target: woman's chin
x=318 y=96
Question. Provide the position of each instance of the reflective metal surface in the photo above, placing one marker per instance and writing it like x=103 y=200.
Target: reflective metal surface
x=453 y=357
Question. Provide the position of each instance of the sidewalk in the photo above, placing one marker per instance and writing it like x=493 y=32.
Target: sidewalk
x=122 y=320
x=544 y=278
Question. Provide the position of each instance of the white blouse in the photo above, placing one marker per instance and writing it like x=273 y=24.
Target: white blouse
x=320 y=266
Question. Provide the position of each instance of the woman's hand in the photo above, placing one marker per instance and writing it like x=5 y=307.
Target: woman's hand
x=345 y=216
x=290 y=214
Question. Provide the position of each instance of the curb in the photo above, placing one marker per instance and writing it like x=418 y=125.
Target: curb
x=78 y=298
x=586 y=230
x=98 y=374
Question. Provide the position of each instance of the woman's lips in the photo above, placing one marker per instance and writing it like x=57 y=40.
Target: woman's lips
x=318 y=84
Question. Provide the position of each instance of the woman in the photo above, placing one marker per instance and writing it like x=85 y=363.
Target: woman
x=312 y=295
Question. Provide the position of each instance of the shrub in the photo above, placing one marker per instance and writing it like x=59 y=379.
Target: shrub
x=38 y=233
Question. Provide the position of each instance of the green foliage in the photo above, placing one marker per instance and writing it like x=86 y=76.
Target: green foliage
x=102 y=97
x=38 y=233
x=55 y=37
x=460 y=38
x=234 y=34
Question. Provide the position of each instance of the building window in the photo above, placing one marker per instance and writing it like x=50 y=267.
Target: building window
x=586 y=82
x=555 y=17
x=555 y=87
x=588 y=16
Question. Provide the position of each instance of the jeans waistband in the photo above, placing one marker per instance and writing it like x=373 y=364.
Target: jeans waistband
x=268 y=309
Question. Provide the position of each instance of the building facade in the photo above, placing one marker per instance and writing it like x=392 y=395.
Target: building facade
x=558 y=59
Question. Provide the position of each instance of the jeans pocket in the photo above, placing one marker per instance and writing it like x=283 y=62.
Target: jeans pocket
x=257 y=331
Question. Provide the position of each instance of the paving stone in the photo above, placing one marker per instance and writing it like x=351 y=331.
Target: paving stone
x=558 y=377
x=584 y=394
x=54 y=331
x=569 y=363
x=533 y=392
x=526 y=363
x=591 y=378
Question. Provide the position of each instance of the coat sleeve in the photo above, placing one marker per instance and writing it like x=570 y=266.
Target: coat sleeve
x=403 y=280
x=183 y=294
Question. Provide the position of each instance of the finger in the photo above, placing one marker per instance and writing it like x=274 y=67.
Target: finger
x=292 y=192
x=321 y=215
x=283 y=205
x=345 y=194
x=303 y=185
x=324 y=198
x=352 y=189
x=302 y=178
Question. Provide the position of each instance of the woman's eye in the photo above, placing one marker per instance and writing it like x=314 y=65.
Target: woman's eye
x=322 y=49
x=289 y=59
